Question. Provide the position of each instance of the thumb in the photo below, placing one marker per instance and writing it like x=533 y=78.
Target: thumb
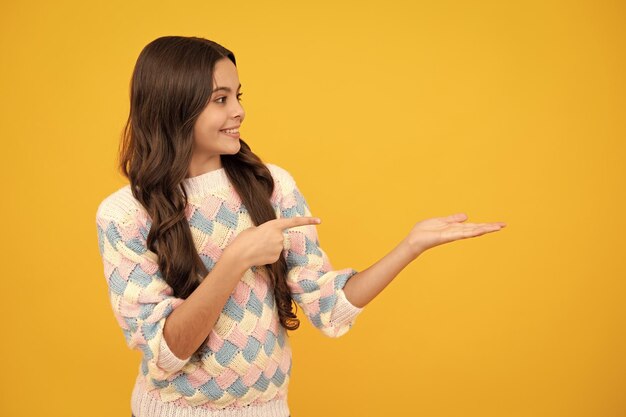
x=458 y=217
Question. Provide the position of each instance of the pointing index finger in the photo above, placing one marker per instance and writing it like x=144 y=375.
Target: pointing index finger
x=287 y=222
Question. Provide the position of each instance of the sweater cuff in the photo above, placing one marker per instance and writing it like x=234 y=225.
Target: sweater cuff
x=344 y=311
x=167 y=360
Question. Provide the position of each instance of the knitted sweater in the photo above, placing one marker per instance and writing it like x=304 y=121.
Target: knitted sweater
x=243 y=368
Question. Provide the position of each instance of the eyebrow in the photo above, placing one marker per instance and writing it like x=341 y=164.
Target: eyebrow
x=227 y=89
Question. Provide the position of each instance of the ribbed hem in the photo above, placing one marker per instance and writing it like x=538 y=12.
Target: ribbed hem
x=344 y=311
x=143 y=404
x=209 y=181
x=167 y=360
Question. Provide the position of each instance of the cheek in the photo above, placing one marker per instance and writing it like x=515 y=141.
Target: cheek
x=206 y=129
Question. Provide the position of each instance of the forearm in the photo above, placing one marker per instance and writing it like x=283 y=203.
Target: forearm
x=190 y=323
x=362 y=287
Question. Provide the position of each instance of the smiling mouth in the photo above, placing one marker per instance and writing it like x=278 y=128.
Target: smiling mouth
x=234 y=133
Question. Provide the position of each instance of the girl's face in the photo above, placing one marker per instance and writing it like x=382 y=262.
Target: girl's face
x=224 y=111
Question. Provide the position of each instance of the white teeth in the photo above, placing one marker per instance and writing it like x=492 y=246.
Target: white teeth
x=231 y=130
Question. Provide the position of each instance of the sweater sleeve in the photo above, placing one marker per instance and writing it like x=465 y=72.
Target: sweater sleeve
x=314 y=284
x=140 y=297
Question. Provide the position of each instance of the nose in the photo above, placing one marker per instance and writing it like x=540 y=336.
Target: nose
x=239 y=112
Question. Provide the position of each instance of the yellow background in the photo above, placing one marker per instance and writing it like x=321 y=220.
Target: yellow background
x=386 y=113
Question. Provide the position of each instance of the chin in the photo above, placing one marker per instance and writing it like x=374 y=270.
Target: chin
x=236 y=148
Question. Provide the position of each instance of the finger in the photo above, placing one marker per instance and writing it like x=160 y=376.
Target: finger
x=458 y=217
x=471 y=230
x=499 y=224
x=488 y=225
x=486 y=228
x=480 y=224
x=287 y=222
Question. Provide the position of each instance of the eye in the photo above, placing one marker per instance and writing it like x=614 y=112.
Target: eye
x=224 y=97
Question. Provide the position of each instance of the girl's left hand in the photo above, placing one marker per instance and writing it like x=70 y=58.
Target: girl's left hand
x=436 y=231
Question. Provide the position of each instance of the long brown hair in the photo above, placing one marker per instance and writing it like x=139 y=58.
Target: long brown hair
x=171 y=85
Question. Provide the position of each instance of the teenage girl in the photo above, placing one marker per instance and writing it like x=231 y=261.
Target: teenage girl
x=207 y=248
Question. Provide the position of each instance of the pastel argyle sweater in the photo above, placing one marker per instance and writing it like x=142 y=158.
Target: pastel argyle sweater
x=243 y=369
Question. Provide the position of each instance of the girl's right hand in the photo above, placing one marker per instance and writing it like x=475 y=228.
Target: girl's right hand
x=263 y=245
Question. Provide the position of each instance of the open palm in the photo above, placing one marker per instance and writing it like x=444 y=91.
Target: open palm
x=438 y=230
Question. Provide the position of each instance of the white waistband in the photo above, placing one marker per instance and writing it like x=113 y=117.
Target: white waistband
x=145 y=405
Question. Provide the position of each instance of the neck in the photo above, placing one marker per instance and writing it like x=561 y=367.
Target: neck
x=203 y=166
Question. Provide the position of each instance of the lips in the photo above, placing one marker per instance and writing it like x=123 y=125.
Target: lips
x=232 y=133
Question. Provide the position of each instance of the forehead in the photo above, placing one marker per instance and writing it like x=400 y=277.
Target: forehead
x=225 y=74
